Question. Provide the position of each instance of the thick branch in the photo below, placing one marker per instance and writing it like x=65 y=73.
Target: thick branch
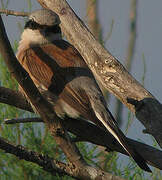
x=80 y=168
x=107 y=68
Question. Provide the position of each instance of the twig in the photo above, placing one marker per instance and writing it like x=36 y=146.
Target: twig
x=13 y=13
x=22 y=120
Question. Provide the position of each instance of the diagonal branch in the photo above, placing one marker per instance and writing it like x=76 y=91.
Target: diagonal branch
x=47 y=163
x=108 y=70
x=14 y=98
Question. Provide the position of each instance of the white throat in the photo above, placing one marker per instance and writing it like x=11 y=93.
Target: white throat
x=30 y=38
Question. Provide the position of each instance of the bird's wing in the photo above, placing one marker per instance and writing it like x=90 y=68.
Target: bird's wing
x=48 y=66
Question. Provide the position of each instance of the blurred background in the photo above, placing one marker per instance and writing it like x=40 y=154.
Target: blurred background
x=132 y=31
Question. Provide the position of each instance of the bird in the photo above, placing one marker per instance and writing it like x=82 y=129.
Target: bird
x=64 y=79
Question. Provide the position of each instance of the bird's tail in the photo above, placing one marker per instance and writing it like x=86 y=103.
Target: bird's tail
x=106 y=119
x=120 y=137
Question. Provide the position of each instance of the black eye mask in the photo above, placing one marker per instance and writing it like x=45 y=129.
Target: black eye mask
x=33 y=25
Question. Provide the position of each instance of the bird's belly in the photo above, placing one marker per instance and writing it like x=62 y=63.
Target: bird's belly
x=60 y=106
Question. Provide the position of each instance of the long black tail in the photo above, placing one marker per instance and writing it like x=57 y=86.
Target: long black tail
x=106 y=119
x=129 y=149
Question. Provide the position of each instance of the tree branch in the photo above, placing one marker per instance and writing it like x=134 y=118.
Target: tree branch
x=14 y=98
x=13 y=13
x=107 y=69
x=48 y=164
x=80 y=168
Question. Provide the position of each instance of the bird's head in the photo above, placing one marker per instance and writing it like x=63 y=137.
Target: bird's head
x=42 y=27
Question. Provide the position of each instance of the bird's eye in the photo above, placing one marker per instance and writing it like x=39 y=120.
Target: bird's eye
x=31 y=24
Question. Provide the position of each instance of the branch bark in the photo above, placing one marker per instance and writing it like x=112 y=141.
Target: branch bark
x=47 y=163
x=78 y=166
x=108 y=70
x=14 y=98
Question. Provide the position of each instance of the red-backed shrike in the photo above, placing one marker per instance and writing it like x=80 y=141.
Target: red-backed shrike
x=62 y=76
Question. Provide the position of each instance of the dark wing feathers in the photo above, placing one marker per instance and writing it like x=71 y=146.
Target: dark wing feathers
x=42 y=70
x=37 y=69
